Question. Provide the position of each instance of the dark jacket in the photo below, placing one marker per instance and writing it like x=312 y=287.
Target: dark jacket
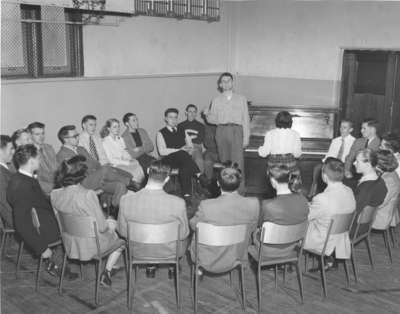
x=5 y=208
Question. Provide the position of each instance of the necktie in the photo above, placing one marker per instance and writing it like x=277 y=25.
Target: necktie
x=341 y=150
x=92 y=148
x=174 y=130
x=366 y=143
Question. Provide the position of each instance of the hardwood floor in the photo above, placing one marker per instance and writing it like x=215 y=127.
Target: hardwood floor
x=377 y=291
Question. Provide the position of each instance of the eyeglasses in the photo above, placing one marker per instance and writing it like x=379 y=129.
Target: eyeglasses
x=73 y=136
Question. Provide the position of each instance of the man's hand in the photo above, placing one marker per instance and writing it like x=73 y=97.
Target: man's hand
x=187 y=149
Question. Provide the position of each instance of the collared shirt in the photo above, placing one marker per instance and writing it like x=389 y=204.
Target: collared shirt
x=84 y=141
x=74 y=149
x=368 y=177
x=281 y=141
x=163 y=150
x=336 y=143
x=26 y=173
x=4 y=165
x=233 y=110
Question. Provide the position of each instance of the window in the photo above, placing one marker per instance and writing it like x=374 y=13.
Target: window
x=40 y=41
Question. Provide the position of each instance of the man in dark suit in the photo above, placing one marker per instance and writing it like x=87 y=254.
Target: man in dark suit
x=34 y=218
x=369 y=140
x=109 y=179
x=228 y=209
x=6 y=154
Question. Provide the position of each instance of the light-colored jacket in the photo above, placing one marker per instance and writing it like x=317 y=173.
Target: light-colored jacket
x=116 y=151
x=84 y=142
x=336 y=199
x=384 y=213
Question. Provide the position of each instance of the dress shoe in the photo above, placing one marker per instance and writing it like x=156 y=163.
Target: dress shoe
x=171 y=273
x=53 y=269
x=105 y=279
x=151 y=272
x=203 y=180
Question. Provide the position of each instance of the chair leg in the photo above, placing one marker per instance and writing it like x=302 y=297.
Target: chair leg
x=346 y=270
x=259 y=288
x=136 y=272
x=389 y=248
x=130 y=283
x=323 y=276
x=98 y=272
x=3 y=244
x=305 y=262
x=64 y=264
x=370 y=252
x=178 y=291
x=38 y=273
x=392 y=236
x=300 y=280
x=353 y=262
x=284 y=274
x=195 y=286
x=276 y=276
x=20 y=249
x=230 y=278
x=241 y=281
x=81 y=270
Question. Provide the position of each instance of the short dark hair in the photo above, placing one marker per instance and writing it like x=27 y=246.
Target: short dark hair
x=169 y=110
x=63 y=132
x=71 y=171
x=371 y=122
x=369 y=155
x=393 y=141
x=229 y=177
x=191 y=106
x=387 y=162
x=17 y=134
x=334 y=169
x=283 y=120
x=159 y=170
x=127 y=116
x=23 y=153
x=87 y=118
x=347 y=121
x=4 y=140
x=285 y=173
x=35 y=125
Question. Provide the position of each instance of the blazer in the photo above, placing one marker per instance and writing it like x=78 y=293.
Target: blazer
x=5 y=208
x=84 y=142
x=47 y=168
x=359 y=144
x=227 y=209
x=77 y=200
x=156 y=207
x=116 y=151
x=336 y=199
x=146 y=148
x=385 y=211
x=33 y=197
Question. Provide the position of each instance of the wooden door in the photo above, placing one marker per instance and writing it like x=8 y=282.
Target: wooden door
x=370 y=88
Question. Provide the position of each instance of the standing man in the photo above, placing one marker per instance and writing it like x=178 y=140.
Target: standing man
x=230 y=113
x=137 y=141
x=194 y=131
x=48 y=162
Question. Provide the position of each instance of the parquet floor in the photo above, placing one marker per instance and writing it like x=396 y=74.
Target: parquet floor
x=377 y=292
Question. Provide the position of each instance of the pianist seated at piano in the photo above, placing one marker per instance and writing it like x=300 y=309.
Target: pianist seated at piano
x=339 y=148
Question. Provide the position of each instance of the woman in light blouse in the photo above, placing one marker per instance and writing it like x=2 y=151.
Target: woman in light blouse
x=116 y=151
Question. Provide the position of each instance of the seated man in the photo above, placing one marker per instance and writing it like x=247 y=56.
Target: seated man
x=228 y=209
x=137 y=141
x=24 y=193
x=172 y=147
x=21 y=137
x=6 y=154
x=194 y=132
x=339 y=148
x=153 y=205
x=336 y=199
x=109 y=179
x=48 y=163
x=211 y=153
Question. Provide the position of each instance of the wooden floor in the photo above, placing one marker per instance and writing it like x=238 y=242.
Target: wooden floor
x=377 y=291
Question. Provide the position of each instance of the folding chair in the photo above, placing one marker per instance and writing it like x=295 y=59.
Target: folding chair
x=84 y=227
x=339 y=224
x=212 y=235
x=141 y=233
x=272 y=233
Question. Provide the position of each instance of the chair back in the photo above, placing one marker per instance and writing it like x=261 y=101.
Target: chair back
x=77 y=226
x=282 y=234
x=341 y=223
x=363 y=224
x=153 y=233
x=367 y=215
x=213 y=235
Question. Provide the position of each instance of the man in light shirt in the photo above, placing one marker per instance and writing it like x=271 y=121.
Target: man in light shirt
x=339 y=148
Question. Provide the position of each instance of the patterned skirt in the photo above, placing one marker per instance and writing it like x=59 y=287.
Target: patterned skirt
x=282 y=159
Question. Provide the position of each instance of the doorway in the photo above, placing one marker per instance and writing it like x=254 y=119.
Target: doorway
x=370 y=88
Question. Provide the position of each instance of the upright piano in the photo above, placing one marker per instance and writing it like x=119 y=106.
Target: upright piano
x=316 y=126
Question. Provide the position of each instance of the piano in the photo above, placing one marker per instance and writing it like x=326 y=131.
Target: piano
x=316 y=126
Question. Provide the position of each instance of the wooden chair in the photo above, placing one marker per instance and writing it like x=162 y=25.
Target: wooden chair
x=141 y=233
x=5 y=233
x=361 y=231
x=212 y=235
x=84 y=227
x=339 y=224
x=272 y=233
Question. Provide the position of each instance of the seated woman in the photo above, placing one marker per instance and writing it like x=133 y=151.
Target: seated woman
x=72 y=198
x=386 y=167
x=371 y=189
x=282 y=145
x=116 y=151
x=287 y=208
x=25 y=194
